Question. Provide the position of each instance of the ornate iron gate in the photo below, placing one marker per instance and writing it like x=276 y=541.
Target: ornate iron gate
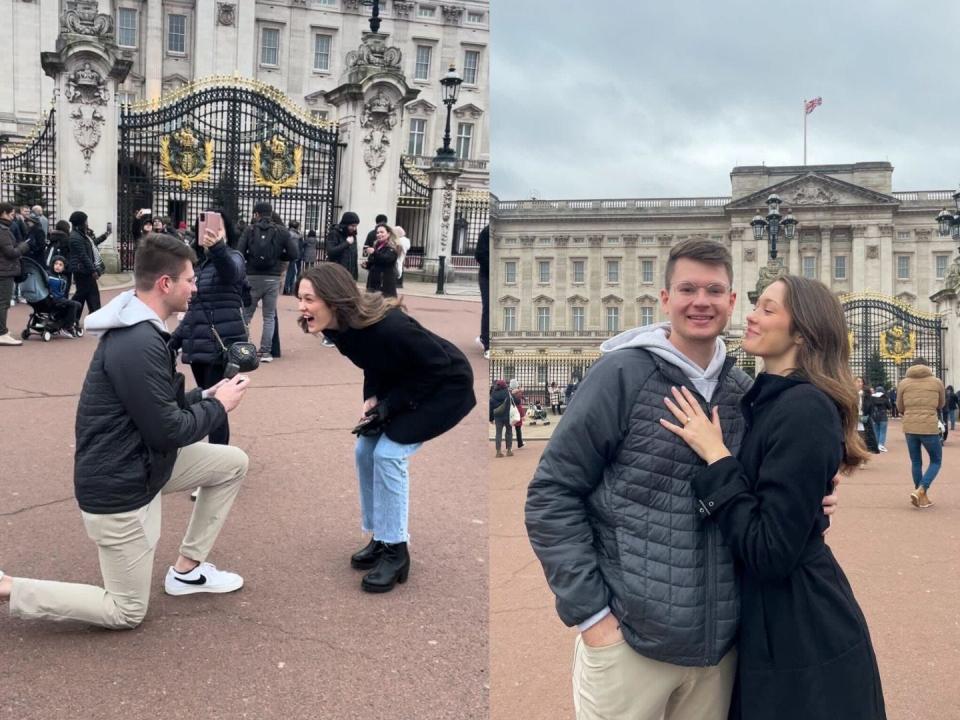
x=887 y=334
x=228 y=142
x=28 y=168
x=471 y=214
x=413 y=210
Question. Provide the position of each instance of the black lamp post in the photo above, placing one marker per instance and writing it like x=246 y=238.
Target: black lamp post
x=375 y=18
x=949 y=224
x=773 y=223
x=450 y=86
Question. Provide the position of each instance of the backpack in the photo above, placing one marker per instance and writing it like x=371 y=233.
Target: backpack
x=262 y=250
x=878 y=411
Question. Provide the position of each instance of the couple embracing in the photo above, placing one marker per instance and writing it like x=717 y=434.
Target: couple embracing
x=679 y=512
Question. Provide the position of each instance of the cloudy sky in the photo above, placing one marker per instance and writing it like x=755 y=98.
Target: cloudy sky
x=650 y=98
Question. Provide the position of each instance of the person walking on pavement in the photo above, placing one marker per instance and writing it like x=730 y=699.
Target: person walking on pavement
x=10 y=253
x=309 y=250
x=416 y=386
x=516 y=394
x=403 y=247
x=81 y=264
x=879 y=407
x=266 y=247
x=341 y=243
x=500 y=402
x=482 y=256
x=294 y=266
x=920 y=395
x=804 y=650
x=864 y=425
x=952 y=403
x=381 y=262
x=137 y=437
x=612 y=518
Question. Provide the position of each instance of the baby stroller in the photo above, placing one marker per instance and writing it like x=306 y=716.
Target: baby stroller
x=44 y=319
x=537 y=414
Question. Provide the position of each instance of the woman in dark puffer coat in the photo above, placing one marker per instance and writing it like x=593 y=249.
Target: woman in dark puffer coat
x=220 y=279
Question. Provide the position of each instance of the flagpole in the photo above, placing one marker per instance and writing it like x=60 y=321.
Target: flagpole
x=805 y=133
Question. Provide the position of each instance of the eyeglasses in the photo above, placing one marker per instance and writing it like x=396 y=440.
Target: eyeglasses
x=192 y=280
x=690 y=290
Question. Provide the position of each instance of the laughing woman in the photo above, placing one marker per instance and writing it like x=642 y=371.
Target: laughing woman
x=804 y=651
x=416 y=386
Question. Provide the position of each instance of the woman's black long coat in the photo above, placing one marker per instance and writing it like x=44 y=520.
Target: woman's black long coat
x=804 y=651
x=382 y=271
x=424 y=380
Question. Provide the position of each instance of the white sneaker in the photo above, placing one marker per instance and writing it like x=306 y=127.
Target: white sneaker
x=881 y=448
x=10 y=340
x=205 y=578
x=478 y=341
x=486 y=354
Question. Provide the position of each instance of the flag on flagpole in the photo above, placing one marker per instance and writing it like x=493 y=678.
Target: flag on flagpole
x=812 y=105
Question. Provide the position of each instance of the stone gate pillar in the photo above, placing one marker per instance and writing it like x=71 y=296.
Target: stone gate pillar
x=443 y=180
x=947 y=303
x=86 y=68
x=370 y=103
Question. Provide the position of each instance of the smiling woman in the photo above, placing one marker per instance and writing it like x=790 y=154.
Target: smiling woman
x=416 y=386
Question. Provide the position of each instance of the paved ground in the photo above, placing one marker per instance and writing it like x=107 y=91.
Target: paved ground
x=300 y=640
x=902 y=563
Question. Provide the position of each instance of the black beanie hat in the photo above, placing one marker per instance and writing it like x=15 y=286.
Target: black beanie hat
x=79 y=217
x=350 y=218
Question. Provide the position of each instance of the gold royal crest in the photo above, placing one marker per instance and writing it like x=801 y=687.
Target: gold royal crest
x=898 y=345
x=186 y=157
x=277 y=166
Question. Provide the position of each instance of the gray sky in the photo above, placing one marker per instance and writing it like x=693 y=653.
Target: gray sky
x=612 y=98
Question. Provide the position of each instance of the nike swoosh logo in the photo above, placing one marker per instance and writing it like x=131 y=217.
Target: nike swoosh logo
x=202 y=580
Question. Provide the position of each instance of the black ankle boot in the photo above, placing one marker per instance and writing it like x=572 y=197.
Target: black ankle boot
x=393 y=568
x=367 y=558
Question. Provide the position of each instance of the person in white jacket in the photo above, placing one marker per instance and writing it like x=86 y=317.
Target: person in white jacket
x=403 y=245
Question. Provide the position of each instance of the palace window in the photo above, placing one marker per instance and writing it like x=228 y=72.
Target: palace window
x=127 y=27
x=126 y=98
x=471 y=65
x=312 y=218
x=613 y=319
x=646 y=271
x=809 y=267
x=579 y=271
x=646 y=315
x=543 y=319
x=319 y=114
x=578 y=318
x=418 y=131
x=509 y=319
x=613 y=271
x=177 y=33
x=543 y=271
x=321 y=51
x=940 y=265
x=464 y=136
x=903 y=234
x=426 y=11
x=903 y=267
x=474 y=17
x=840 y=267
x=270 y=46
x=510 y=272
x=422 y=69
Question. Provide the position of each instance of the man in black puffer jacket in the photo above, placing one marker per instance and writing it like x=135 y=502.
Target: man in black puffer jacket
x=613 y=520
x=341 y=245
x=138 y=435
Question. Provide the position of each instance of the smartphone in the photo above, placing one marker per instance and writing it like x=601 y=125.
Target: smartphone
x=146 y=211
x=209 y=221
x=109 y=227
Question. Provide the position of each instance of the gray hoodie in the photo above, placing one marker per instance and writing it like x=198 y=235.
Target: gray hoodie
x=656 y=339
x=125 y=310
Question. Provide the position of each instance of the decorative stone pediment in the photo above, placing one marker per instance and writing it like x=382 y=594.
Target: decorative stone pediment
x=577 y=300
x=174 y=82
x=469 y=110
x=543 y=300
x=813 y=190
x=647 y=298
x=315 y=97
x=509 y=300
x=611 y=300
x=907 y=297
x=421 y=107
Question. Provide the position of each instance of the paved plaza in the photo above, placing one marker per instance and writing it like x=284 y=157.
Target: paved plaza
x=300 y=640
x=902 y=563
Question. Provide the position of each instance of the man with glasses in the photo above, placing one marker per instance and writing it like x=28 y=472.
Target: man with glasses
x=612 y=518
x=138 y=436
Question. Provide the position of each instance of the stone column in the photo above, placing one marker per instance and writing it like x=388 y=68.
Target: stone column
x=443 y=180
x=947 y=302
x=859 y=261
x=793 y=262
x=370 y=102
x=86 y=69
x=153 y=85
x=205 y=39
x=826 y=256
x=886 y=260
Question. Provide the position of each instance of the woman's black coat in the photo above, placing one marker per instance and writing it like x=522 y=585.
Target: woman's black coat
x=219 y=284
x=497 y=399
x=804 y=652
x=80 y=261
x=382 y=271
x=423 y=380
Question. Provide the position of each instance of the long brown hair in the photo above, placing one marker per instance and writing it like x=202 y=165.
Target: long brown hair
x=824 y=354
x=391 y=236
x=352 y=307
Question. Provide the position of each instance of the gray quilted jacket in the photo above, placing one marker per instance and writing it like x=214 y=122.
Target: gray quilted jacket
x=612 y=518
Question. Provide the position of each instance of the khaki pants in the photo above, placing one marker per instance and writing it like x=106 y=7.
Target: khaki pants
x=617 y=683
x=126 y=543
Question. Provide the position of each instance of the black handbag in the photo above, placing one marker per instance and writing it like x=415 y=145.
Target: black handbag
x=239 y=357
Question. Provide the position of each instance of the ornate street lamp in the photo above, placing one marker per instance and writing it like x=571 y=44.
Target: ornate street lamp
x=375 y=18
x=773 y=224
x=948 y=224
x=450 y=86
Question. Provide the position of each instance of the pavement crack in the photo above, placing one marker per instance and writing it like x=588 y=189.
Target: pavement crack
x=35 y=507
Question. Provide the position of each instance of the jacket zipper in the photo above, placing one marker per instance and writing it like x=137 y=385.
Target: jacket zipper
x=711 y=593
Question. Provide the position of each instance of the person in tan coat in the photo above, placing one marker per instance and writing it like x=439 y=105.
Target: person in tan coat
x=920 y=395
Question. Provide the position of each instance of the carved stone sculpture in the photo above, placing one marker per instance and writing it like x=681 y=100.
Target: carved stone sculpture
x=768 y=273
x=446 y=212
x=452 y=14
x=87 y=129
x=402 y=9
x=378 y=118
x=86 y=86
x=226 y=13
x=374 y=51
x=82 y=18
x=812 y=194
x=873 y=252
x=952 y=280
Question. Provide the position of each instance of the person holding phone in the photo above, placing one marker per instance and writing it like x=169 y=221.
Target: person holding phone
x=218 y=304
x=416 y=386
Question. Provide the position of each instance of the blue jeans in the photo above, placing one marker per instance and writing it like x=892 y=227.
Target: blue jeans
x=952 y=415
x=934 y=450
x=267 y=289
x=384 y=487
x=880 y=428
